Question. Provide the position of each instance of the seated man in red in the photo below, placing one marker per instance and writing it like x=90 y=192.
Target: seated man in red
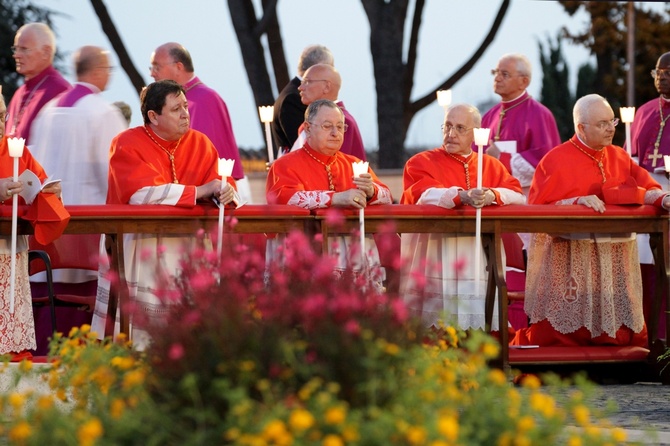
x=586 y=289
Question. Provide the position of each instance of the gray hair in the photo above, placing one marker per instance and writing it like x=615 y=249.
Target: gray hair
x=582 y=109
x=314 y=107
x=312 y=55
x=474 y=112
x=523 y=65
x=43 y=35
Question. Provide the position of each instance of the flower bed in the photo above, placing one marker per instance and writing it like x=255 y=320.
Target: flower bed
x=291 y=354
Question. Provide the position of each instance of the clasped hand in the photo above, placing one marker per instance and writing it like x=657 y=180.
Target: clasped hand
x=477 y=198
x=9 y=188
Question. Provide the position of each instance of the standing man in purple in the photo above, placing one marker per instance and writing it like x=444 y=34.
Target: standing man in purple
x=649 y=139
x=209 y=113
x=34 y=50
x=323 y=81
x=522 y=129
x=289 y=111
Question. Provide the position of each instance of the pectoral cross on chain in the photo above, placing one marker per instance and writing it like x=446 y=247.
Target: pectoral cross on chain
x=654 y=156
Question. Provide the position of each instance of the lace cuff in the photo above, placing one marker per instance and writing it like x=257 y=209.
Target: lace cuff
x=311 y=199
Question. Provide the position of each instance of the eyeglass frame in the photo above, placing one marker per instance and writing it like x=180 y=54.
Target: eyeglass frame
x=665 y=73
x=506 y=74
x=306 y=82
x=329 y=126
x=159 y=66
x=455 y=128
x=603 y=125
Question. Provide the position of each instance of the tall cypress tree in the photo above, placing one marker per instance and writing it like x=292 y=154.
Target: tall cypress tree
x=555 y=93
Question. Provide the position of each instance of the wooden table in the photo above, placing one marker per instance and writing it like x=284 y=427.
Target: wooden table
x=521 y=219
x=116 y=220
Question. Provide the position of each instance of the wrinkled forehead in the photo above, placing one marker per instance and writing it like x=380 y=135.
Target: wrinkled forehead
x=458 y=115
x=333 y=115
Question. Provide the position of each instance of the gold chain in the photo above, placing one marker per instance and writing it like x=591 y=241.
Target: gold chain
x=331 y=186
x=169 y=154
x=465 y=166
x=598 y=161
x=502 y=116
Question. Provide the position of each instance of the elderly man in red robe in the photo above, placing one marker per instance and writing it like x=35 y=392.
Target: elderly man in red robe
x=522 y=129
x=163 y=162
x=586 y=289
x=447 y=177
x=34 y=49
x=320 y=176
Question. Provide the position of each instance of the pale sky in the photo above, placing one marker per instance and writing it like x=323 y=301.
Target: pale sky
x=451 y=32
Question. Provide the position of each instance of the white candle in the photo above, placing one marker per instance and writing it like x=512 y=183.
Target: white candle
x=444 y=98
x=266 y=112
x=666 y=160
x=15 y=146
x=225 y=170
x=361 y=167
x=481 y=139
x=627 y=116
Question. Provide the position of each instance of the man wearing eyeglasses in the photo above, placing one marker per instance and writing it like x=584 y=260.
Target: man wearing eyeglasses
x=522 y=129
x=649 y=139
x=323 y=81
x=320 y=176
x=586 y=289
x=208 y=111
x=447 y=177
x=34 y=49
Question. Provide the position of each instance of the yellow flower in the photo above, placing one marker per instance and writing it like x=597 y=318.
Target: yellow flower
x=574 y=441
x=619 y=435
x=391 y=349
x=525 y=423
x=581 y=414
x=45 y=402
x=116 y=408
x=521 y=440
x=332 y=440
x=497 y=376
x=20 y=432
x=490 y=350
x=89 y=432
x=275 y=432
x=73 y=332
x=25 y=366
x=335 y=415
x=85 y=328
x=300 y=420
x=531 y=382
x=448 y=427
x=247 y=366
x=505 y=439
x=133 y=379
x=122 y=363
x=16 y=400
x=416 y=435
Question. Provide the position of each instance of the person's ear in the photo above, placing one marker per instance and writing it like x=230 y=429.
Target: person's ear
x=152 y=117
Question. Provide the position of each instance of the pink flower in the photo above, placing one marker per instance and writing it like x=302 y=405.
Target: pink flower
x=334 y=217
x=352 y=327
x=176 y=352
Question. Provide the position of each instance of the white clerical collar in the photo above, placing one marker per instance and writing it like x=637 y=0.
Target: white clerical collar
x=582 y=141
x=512 y=100
x=665 y=99
x=192 y=77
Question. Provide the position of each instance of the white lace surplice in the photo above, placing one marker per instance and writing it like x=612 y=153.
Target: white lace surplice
x=17 y=331
x=583 y=283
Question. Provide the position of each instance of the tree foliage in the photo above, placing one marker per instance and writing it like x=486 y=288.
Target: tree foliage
x=13 y=15
x=605 y=36
x=555 y=93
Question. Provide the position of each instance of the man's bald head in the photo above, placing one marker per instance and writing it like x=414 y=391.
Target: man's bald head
x=92 y=65
x=321 y=81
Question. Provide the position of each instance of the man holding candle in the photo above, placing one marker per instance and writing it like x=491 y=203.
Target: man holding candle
x=208 y=112
x=163 y=162
x=439 y=281
x=17 y=330
x=320 y=176
x=34 y=49
x=522 y=129
x=586 y=289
